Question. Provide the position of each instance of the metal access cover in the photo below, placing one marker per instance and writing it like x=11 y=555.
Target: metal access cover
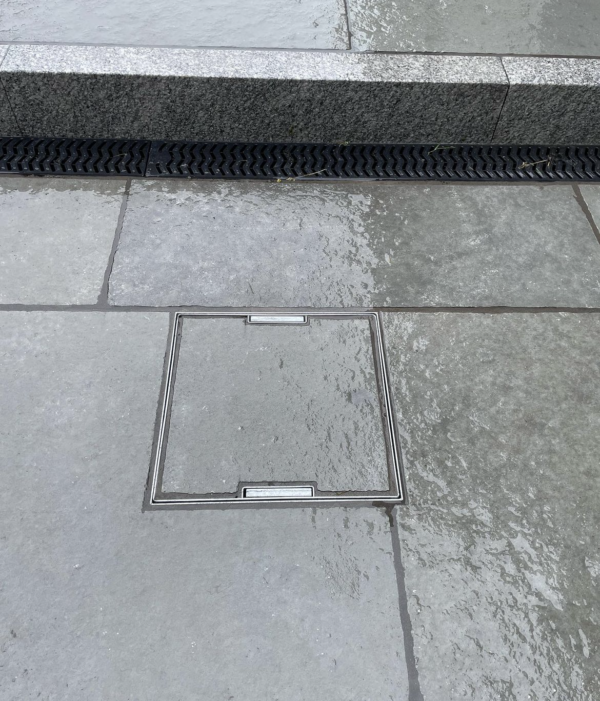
x=275 y=408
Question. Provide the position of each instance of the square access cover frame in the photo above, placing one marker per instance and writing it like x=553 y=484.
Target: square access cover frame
x=273 y=493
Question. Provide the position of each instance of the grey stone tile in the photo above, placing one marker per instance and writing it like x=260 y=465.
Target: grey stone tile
x=591 y=195
x=310 y=24
x=354 y=244
x=275 y=404
x=101 y=601
x=510 y=27
x=8 y=126
x=228 y=95
x=56 y=238
x=551 y=101
x=500 y=422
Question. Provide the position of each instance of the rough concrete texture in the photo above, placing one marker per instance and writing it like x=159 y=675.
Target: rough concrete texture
x=101 y=601
x=551 y=101
x=500 y=422
x=354 y=244
x=229 y=95
x=470 y=26
x=282 y=403
x=310 y=24
x=56 y=238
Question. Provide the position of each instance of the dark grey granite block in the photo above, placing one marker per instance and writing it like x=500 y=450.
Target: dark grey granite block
x=233 y=95
x=500 y=424
x=8 y=125
x=551 y=101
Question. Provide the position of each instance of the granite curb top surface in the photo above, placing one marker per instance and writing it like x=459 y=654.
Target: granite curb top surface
x=240 y=63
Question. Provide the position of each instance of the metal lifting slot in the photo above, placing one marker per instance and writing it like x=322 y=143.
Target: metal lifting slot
x=276 y=319
x=278 y=492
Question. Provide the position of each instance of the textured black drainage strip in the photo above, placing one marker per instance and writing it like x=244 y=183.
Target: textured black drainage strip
x=160 y=159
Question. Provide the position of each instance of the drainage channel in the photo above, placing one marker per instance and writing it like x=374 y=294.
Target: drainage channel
x=271 y=409
x=291 y=161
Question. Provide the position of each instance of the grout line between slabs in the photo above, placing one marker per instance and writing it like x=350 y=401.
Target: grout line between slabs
x=105 y=307
x=204 y=47
x=586 y=210
x=103 y=295
x=299 y=180
x=348 y=24
x=414 y=687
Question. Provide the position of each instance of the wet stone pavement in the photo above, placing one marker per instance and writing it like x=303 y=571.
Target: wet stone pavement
x=539 y=27
x=522 y=27
x=484 y=586
x=309 y=24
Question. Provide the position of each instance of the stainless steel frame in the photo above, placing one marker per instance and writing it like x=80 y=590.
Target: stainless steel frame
x=396 y=495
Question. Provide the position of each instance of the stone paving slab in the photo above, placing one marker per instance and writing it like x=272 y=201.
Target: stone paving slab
x=500 y=423
x=354 y=244
x=310 y=24
x=591 y=196
x=57 y=235
x=469 y=26
x=282 y=403
x=101 y=601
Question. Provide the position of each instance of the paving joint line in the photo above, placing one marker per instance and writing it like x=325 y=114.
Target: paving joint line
x=348 y=24
x=490 y=310
x=341 y=182
x=190 y=47
x=103 y=295
x=414 y=687
x=16 y=307
x=369 y=52
x=586 y=210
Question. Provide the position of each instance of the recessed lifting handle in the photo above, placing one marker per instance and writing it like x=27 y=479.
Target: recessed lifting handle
x=290 y=319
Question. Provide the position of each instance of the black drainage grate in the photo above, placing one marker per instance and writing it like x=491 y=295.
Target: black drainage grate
x=73 y=156
x=373 y=161
x=160 y=159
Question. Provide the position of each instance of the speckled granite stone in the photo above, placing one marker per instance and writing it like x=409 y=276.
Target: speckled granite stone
x=551 y=101
x=226 y=95
x=8 y=125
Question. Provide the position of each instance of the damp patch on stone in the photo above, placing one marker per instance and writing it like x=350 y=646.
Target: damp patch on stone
x=275 y=408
